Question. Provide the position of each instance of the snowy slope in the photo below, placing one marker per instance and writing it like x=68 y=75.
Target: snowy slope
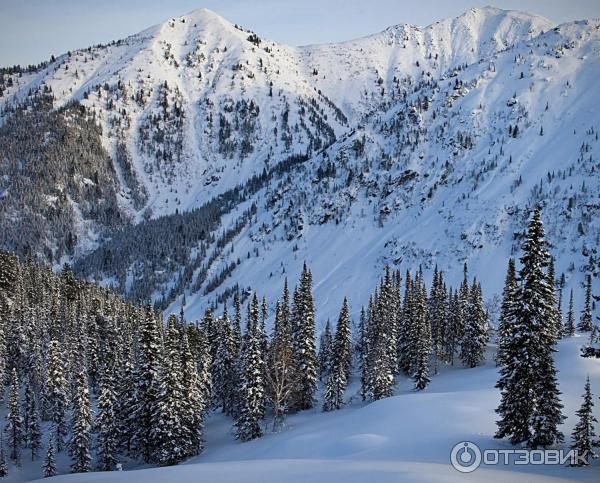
x=406 y=438
x=415 y=121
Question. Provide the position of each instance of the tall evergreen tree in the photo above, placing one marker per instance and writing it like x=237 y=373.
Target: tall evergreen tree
x=14 y=421
x=56 y=392
x=508 y=312
x=337 y=379
x=224 y=367
x=49 y=466
x=530 y=407
x=106 y=425
x=304 y=342
x=195 y=402
x=252 y=391
x=325 y=351
x=148 y=381
x=569 y=330
x=583 y=432
x=170 y=433
x=34 y=430
x=81 y=439
x=476 y=334
x=585 y=322
x=422 y=336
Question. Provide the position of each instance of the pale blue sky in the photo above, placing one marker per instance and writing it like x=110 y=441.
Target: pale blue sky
x=32 y=30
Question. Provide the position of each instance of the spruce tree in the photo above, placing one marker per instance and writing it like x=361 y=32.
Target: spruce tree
x=148 y=380
x=56 y=393
x=530 y=408
x=81 y=439
x=195 y=402
x=583 y=432
x=569 y=330
x=34 y=428
x=304 y=342
x=337 y=378
x=508 y=312
x=223 y=367
x=49 y=466
x=106 y=425
x=421 y=337
x=585 y=322
x=252 y=391
x=341 y=343
x=325 y=351
x=455 y=326
x=14 y=421
x=475 y=335
x=170 y=435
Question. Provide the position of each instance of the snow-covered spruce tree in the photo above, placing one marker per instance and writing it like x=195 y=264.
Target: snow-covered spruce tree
x=125 y=404
x=362 y=353
x=49 y=466
x=422 y=336
x=335 y=388
x=583 y=432
x=585 y=322
x=380 y=377
x=406 y=328
x=33 y=428
x=508 y=311
x=148 y=380
x=476 y=334
x=195 y=402
x=325 y=351
x=170 y=434
x=455 y=326
x=223 y=367
x=387 y=309
x=252 y=391
x=437 y=314
x=569 y=330
x=14 y=421
x=106 y=425
x=203 y=364
x=81 y=438
x=337 y=378
x=341 y=344
x=530 y=408
x=56 y=392
x=304 y=342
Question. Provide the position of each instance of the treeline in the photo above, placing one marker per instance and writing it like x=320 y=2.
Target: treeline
x=155 y=251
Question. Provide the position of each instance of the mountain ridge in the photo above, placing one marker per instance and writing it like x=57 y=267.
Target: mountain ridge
x=193 y=107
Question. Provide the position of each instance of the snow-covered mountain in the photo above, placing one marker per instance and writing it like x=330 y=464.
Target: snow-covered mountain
x=416 y=145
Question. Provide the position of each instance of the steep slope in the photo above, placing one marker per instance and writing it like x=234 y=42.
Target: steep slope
x=397 y=148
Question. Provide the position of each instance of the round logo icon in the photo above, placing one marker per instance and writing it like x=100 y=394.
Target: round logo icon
x=465 y=457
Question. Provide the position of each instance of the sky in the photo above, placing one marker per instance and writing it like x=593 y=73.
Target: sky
x=32 y=30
